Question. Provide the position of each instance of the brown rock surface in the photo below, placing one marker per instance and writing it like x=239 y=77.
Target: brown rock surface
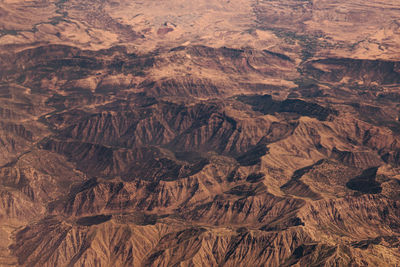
x=199 y=133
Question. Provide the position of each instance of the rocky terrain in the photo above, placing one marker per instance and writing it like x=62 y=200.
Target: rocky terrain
x=200 y=133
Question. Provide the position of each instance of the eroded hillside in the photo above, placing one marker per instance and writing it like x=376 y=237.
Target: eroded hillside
x=242 y=133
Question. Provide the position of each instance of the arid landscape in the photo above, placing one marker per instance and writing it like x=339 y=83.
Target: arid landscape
x=200 y=133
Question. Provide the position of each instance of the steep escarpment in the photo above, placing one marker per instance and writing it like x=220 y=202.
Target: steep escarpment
x=368 y=71
x=164 y=243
